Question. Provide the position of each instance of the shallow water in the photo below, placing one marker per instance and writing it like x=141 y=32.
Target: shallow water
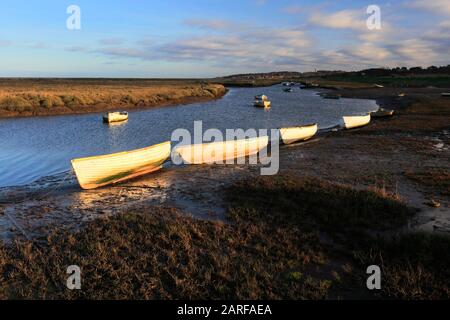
x=32 y=148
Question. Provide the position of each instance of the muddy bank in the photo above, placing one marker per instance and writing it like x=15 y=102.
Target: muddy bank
x=45 y=97
x=408 y=155
x=341 y=202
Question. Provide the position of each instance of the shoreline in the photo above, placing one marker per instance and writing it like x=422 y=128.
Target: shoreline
x=390 y=170
x=34 y=99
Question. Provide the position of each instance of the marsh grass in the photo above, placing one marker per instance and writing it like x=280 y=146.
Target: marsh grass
x=274 y=246
x=33 y=97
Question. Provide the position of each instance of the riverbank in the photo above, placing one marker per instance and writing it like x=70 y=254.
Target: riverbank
x=341 y=202
x=44 y=97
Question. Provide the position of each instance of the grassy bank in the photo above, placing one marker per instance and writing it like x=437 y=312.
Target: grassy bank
x=294 y=238
x=32 y=97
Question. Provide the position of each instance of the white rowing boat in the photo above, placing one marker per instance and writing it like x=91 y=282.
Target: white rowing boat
x=115 y=116
x=262 y=97
x=294 y=134
x=219 y=152
x=351 y=122
x=98 y=171
x=382 y=113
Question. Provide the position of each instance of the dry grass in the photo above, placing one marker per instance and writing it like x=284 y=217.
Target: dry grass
x=273 y=248
x=46 y=97
x=437 y=179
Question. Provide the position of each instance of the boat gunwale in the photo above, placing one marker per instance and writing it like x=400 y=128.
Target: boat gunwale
x=105 y=156
x=226 y=141
x=302 y=126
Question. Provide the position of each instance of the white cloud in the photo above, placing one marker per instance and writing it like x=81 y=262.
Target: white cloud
x=436 y=6
x=345 y=19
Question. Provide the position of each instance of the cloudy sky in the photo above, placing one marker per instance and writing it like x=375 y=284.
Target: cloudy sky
x=206 y=38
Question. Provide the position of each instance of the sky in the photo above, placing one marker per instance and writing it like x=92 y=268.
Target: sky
x=208 y=38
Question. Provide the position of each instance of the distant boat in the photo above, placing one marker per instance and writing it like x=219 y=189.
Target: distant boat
x=351 y=122
x=330 y=96
x=378 y=86
x=115 y=116
x=381 y=113
x=261 y=97
x=262 y=103
x=98 y=171
x=208 y=153
x=294 y=134
x=445 y=94
x=287 y=90
x=401 y=94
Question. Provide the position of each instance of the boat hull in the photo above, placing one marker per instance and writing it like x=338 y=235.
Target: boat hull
x=99 y=171
x=115 y=117
x=382 y=113
x=220 y=152
x=294 y=134
x=356 y=121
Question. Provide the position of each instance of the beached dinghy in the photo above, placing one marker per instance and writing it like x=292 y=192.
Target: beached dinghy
x=382 y=113
x=219 y=152
x=115 y=116
x=356 y=121
x=294 y=134
x=94 y=172
x=262 y=103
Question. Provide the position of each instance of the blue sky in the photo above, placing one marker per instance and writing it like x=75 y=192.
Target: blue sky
x=138 y=38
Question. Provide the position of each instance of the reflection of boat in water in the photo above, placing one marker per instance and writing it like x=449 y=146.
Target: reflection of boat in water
x=98 y=171
x=356 y=121
x=382 y=113
x=112 y=117
x=301 y=133
x=218 y=152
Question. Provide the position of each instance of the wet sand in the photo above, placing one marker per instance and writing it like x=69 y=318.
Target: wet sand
x=408 y=155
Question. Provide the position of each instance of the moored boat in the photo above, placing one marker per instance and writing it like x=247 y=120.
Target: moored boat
x=262 y=103
x=98 y=171
x=261 y=97
x=445 y=94
x=293 y=134
x=219 y=152
x=115 y=116
x=381 y=113
x=351 y=122
x=287 y=90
